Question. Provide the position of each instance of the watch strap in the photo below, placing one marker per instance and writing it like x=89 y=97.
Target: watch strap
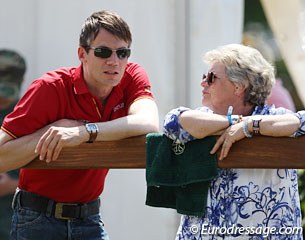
x=256 y=127
x=93 y=130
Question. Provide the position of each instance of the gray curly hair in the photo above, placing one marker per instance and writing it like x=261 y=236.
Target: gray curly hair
x=246 y=67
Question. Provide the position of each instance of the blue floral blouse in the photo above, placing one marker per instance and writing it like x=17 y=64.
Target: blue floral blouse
x=244 y=203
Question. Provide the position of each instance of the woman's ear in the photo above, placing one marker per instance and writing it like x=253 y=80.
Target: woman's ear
x=239 y=90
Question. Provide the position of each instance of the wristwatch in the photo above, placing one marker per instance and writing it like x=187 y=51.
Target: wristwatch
x=255 y=125
x=93 y=130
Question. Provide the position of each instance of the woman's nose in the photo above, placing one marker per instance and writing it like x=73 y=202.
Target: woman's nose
x=204 y=83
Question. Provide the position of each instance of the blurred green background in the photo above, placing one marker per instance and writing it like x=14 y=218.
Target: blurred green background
x=254 y=15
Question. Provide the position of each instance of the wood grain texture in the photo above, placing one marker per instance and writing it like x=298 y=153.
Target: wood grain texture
x=258 y=152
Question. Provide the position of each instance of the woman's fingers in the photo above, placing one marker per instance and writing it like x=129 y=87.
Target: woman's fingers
x=226 y=146
x=218 y=144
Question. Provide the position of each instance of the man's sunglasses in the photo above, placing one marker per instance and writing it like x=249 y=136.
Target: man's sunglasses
x=209 y=78
x=105 y=52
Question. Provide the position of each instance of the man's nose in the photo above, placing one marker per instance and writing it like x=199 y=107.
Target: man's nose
x=113 y=59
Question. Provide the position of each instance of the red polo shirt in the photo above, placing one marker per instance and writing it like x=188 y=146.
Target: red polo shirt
x=64 y=94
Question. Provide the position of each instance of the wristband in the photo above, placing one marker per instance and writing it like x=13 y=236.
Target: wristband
x=246 y=129
x=229 y=115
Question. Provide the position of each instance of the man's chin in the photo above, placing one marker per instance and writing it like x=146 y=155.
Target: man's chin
x=113 y=82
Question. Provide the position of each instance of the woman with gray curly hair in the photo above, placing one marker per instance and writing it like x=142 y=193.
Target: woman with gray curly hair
x=245 y=68
x=242 y=203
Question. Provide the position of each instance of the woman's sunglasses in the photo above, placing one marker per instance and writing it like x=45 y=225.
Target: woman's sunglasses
x=105 y=52
x=209 y=78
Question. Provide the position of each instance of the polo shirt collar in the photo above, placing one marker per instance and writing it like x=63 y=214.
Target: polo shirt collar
x=80 y=86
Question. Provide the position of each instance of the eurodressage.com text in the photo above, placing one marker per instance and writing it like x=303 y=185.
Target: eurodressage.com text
x=235 y=230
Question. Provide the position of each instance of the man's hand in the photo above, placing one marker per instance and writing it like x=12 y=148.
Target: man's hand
x=63 y=133
x=8 y=184
x=233 y=134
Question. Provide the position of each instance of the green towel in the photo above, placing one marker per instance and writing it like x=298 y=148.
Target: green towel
x=179 y=180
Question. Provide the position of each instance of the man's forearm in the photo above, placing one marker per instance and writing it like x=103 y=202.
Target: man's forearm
x=142 y=118
x=129 y=126
x=16 y=153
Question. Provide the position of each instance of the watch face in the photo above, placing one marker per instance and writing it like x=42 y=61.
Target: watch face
x=92 y=127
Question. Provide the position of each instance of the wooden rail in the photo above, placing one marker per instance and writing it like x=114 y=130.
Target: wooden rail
x=257 y=152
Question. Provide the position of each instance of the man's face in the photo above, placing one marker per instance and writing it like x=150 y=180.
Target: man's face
x=102 y=74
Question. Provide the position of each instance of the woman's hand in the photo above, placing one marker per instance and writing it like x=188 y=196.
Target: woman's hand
x=231 y=135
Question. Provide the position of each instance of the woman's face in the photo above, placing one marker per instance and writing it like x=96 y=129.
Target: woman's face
x=218 y=93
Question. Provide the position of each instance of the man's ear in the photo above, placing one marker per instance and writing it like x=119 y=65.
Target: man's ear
x=81 y=53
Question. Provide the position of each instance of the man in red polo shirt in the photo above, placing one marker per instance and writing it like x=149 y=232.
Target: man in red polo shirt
x=105 y=98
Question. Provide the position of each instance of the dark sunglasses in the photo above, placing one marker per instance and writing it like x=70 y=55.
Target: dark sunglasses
x=105 y=52
x=209 y=78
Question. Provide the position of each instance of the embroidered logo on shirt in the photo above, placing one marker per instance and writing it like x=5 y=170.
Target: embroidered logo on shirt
x=118 y=107
x=178 y=148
